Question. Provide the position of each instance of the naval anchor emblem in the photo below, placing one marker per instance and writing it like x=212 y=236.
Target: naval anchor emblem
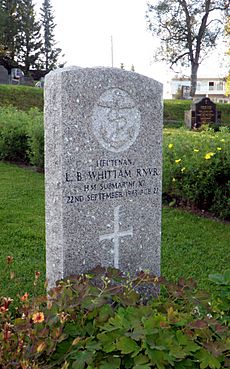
x=116 y=120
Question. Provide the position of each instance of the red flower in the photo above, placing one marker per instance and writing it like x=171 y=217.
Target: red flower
x=37 y=275
x=7 y=331
x=38 y=317
x=6 y=302
x=24 y=297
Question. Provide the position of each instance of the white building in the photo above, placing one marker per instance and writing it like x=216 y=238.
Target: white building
x=214 y=88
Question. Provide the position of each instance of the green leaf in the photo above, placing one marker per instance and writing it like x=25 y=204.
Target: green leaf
x=187 y=363
x=72 y=329
x=82 y=358
x=108 y=340
x=182 y=338
x=153 y=324
x=126 y=345
x=138 y=333
x=157 y=358
x=141 y=359
x=127 y=362
x=89 y=328
x=111 y=363
x=105 y=313
x=117 y=322
x=188 y=345
x=61 y=349
x=93 y=346
x=207 y=360
x=153 y=343
x=178 y=352
x=172 y=203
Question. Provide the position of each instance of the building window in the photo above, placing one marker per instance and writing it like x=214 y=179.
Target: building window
x=211 y=86
x=198 y=86
x=220 y=86
x=185 y=92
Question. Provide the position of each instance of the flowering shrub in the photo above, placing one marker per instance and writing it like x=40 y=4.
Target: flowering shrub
x=99 y=320
x=197 y=169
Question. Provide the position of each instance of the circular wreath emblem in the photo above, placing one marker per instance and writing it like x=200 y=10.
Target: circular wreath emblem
x=116 y=120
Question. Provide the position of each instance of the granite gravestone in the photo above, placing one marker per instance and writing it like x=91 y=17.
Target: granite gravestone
x=202 y=112
x=4 y=79
x=103 y=141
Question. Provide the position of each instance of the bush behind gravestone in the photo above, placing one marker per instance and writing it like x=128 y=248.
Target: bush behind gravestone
x=98 y=320
x=13 y=135
x=197 y=169
x=196 y=164
x=22 y=136
x=35 y=130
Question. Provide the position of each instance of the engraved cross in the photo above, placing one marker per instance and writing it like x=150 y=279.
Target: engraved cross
x=116 y=236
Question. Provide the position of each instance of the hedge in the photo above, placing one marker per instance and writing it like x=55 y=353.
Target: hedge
x=196 y=164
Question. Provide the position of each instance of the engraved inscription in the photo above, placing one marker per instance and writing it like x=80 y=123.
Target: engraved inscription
x=116 y=120
x=109 y=179
x=205 y=112
x=116 y=235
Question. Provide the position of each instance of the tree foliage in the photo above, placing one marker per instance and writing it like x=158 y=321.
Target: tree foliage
x=9 y=24
x=50 y=52
x=28 y=37
x=188 y=30
x=25 y=41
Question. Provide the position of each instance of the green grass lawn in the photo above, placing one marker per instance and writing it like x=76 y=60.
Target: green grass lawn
x=22 y=227
x=191 y=246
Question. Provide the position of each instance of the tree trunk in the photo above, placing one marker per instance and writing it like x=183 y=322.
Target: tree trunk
x=194 y=69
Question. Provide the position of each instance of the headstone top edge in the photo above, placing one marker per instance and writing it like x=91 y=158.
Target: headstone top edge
x=61 y=71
